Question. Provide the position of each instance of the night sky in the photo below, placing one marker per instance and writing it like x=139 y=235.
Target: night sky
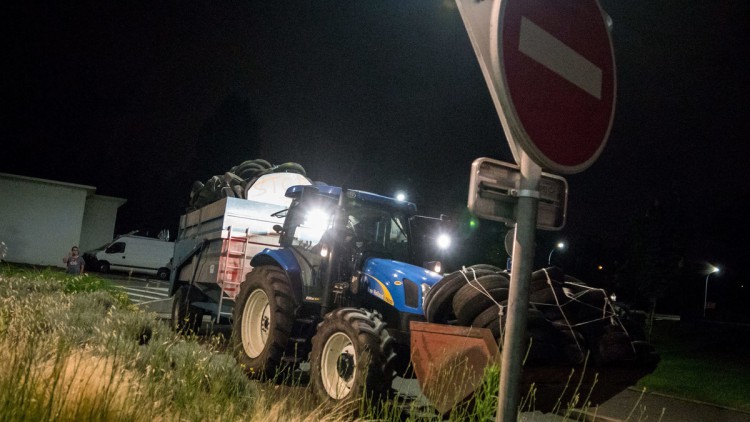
x=140 y=99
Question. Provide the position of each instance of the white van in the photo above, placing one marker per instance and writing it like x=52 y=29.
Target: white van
x=138 y=254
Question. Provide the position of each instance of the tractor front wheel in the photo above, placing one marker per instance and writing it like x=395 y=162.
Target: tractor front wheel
x=351 y=357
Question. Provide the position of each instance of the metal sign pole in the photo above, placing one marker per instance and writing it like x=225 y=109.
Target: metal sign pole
x=518 y=297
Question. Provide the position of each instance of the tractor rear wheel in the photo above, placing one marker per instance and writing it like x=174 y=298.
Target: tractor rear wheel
x=262 y=321
x=352 y=357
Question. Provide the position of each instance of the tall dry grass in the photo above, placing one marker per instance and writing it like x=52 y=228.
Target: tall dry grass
x=71 y=351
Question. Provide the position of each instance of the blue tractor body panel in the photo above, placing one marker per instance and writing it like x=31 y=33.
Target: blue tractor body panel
x=397 y=283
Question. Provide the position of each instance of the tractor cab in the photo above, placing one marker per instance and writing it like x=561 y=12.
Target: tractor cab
x=323 y=217
x=335 y=233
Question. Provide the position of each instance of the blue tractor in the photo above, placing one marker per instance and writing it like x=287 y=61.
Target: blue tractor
x=351 y=273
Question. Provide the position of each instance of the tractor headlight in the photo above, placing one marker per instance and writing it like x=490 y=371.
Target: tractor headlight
x=435 y=266
x=316 y=222
x=443 y=241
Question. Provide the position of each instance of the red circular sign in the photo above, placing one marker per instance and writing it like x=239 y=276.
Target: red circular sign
x=557 y=73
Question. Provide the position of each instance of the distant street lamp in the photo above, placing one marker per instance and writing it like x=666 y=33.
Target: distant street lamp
x=712 y=270
x=400 y=196
x=560 y=245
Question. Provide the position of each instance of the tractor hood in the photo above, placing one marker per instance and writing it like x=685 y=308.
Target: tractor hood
x=399 y=284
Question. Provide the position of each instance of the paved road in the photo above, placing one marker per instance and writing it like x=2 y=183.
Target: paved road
x=633 y=405
x=146 y=292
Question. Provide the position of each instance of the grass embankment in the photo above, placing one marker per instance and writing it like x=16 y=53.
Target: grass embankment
x=705 y=362
x=72 y=348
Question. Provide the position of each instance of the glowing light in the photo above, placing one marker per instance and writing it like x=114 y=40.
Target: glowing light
x=443 y=241
x=560 y=245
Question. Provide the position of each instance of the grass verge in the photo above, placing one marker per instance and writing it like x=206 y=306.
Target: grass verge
x=74 y=349
x=705 y=362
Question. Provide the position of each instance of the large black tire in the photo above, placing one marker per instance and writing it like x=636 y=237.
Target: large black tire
x=588 y=304
x=186 y=319
x=438 y=303
x=352 y=356
x=490 y=318
x=162 y=273
x=575 y=347
x=488 y=267
x=542 y=278
x=545 y=343
x=614 y=345
x=262 y=321
x=548 y=344
x=103 y=267
x=471 y=299
x=551 y=301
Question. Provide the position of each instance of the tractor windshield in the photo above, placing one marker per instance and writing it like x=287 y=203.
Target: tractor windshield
x=375 y=230
x=380 y=232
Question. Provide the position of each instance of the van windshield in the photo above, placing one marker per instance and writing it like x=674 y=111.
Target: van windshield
x=116 y=247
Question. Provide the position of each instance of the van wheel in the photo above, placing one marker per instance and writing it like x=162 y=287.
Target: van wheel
x=104 y=267
x=262 y=321
x=186 y=319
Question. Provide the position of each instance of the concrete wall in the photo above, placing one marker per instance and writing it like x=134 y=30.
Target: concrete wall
x=41 y=219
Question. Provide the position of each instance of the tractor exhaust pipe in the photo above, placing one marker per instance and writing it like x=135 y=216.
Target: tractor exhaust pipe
x=339 y=225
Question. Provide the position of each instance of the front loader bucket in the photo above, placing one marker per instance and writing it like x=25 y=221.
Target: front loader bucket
x=449 y=361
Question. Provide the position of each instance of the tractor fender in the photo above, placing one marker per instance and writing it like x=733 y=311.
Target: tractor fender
x=397 y=283
x=284 y=259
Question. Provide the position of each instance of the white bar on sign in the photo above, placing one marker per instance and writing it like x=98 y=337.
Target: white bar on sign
x=553 y=54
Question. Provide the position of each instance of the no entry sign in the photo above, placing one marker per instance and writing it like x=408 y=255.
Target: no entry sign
x=552 y=69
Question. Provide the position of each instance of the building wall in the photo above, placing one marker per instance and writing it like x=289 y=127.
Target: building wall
x=41 y=219
x=99 y=221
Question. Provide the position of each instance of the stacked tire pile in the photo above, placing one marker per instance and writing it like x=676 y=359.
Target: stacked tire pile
x=567 y=320
x=235 y=182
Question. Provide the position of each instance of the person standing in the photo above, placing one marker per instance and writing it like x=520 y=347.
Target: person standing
x=74 y=261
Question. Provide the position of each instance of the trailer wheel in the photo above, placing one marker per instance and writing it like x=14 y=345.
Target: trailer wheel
x=162 y=273
x=262 y=321
x=351 y=357
x=186 y=319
